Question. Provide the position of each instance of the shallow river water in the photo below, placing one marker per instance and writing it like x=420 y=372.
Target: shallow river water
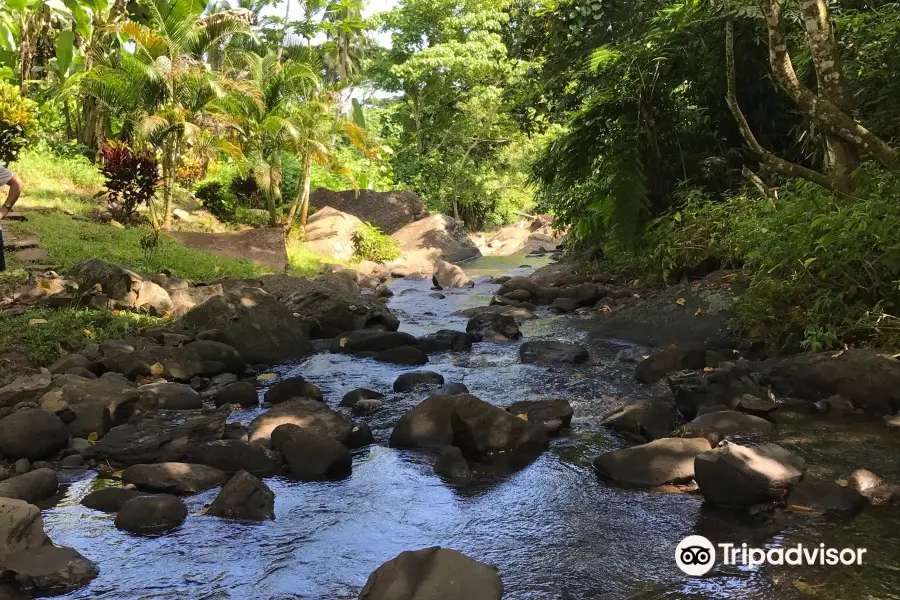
x=554 y=531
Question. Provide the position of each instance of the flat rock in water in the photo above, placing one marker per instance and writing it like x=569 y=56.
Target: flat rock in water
x=173 y=477
x=433 y=574
x=404 y=355
x=548 y=352
x=354 y=396
x=292 y=388
x=660 y=462
x=159 y=436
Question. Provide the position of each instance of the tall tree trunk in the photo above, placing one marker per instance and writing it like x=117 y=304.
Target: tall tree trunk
x=307 y=176
x=171 y=155
x=299 y=196
x=842 y=157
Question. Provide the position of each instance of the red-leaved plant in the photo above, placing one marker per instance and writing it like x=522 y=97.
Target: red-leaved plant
x=131 y=179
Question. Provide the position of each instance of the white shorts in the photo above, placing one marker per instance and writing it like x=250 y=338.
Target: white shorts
x=5 y=175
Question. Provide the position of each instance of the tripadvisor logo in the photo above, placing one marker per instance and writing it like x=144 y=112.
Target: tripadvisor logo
x=695 y=555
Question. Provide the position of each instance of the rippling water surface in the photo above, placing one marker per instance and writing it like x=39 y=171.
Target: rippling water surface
x=552 y=529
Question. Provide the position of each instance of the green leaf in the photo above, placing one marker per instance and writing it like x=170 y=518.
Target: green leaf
x=602 y=57
x=65 y=49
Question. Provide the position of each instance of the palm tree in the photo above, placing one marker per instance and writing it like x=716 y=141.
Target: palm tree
x=265 y=119
x=162 y=88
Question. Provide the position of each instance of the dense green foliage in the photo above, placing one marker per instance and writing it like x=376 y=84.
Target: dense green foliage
x=18 y=121
x=671 y=134
x=370 y=243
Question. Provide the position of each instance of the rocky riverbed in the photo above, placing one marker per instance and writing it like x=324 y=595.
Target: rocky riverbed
x=566 y=500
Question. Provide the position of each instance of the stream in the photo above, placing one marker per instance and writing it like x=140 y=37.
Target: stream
x=554 y=531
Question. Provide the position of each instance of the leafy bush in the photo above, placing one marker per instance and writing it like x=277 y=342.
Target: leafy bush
x=823 y=271
x=18 y=121
x=217 y=200
x=372 y=244
x=131 y=179
x=189 y=171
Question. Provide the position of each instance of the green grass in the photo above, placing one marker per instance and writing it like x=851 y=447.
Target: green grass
x=69 y=241
x=56 y=182
x=69 y=330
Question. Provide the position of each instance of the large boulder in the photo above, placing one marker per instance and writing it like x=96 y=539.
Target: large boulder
x=232 y=456
x=34 y=434
x=352 y=397
x=482 y=430
x=739 y=476
x=493 y=327
x=51 y=570
x=244 y=497
x=868 y=378
x=31 y=487
x=315 y=417
x=660 y=462
x=116 y=283
x=389 y=211
x=21 y=528
x=447 y=275
x=518 y=283
x=330 y=232
x=153 y=298
x=435 y=237
x=310 y=457
x=89 y=406
x=169 y=395
x=292 y=388
x=173 y=477
x=185 y=297
x=650 y=419
x=254 y=323
x=158 y=436
x=433 y=574
x=517 y=312
x=547 y=352
x=334 y=302
x=154 y=514
x=242 y=393
x=25 y=389
x=478 y=428
x=211 y=350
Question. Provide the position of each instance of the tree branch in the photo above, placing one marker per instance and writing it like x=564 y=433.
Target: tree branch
x=779 y=164
x=823 y=110
x=757 y=181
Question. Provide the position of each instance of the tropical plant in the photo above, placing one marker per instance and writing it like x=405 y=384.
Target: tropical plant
x=18 y=121
x=162 y=88
x=131 y=179
x=370 y=243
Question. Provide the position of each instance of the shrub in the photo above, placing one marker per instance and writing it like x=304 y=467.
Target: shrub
x=824 y=271
x=131 y=179
x=217 y=200
x=18 y=121
x=372 y=244
x=189 y=171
